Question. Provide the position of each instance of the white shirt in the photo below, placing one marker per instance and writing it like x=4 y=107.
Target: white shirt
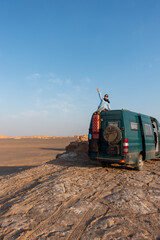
x=103 y=104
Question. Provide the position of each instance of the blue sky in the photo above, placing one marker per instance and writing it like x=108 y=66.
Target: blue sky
x=55 y=53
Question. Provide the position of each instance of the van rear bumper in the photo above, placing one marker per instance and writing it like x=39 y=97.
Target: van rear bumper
x=112 y=160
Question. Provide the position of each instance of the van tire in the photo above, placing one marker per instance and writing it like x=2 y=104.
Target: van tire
x=112 y=135
x=104 y=164
x=140 y=163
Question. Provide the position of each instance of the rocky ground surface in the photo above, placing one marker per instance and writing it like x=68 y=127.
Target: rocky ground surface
x=72 y=197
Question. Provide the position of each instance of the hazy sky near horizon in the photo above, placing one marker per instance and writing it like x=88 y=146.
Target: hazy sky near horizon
x=55 y=53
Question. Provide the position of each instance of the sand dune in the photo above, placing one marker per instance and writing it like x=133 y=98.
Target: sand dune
x=79 y=137
x=35 y=136
x=3 y=136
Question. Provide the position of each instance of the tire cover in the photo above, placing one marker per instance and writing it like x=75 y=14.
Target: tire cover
x=112 y=134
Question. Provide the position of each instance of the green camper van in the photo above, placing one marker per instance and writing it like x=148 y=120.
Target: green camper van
x=123 y=137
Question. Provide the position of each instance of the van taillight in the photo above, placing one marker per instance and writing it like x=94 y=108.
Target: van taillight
x=125 y=145
x=95 y=126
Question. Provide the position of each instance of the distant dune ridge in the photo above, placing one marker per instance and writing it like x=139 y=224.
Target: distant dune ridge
x=79 y=137
x=82 y=138
x=3 y=136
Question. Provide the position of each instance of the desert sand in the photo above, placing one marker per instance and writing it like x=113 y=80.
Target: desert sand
x=19 y=153
x=71 y=197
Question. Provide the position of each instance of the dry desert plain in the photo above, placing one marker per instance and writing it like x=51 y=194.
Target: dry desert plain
x=71 y=197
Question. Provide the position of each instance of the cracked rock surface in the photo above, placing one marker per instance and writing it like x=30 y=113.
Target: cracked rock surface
x=72 y=197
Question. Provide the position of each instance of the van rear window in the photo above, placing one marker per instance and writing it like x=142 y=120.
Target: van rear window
x=148 y=130
x=115 y=123
x=134 y=126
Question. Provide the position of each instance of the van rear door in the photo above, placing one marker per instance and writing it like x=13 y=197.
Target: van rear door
x=112 y=118
x=147 y=137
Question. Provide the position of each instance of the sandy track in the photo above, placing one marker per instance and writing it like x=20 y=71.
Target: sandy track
x=72 y=197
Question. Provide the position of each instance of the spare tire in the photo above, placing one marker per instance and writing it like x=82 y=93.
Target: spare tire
x=112 y=134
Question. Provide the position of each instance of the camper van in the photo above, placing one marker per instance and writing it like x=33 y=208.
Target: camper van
x=123 y=137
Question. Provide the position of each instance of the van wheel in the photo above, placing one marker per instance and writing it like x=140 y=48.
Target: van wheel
x=140 y=162
x=104 y=164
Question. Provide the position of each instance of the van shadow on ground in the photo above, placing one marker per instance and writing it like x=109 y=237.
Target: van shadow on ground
x=81 y=160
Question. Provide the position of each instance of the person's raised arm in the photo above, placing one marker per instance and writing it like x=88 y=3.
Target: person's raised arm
x=99 y=93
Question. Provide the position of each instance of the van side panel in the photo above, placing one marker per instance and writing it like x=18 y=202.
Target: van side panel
x=132 y=132
x=147 y=137
x=159 y=136
x=158 y=124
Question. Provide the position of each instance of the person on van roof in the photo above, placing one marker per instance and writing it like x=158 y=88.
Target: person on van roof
x=104 y=103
